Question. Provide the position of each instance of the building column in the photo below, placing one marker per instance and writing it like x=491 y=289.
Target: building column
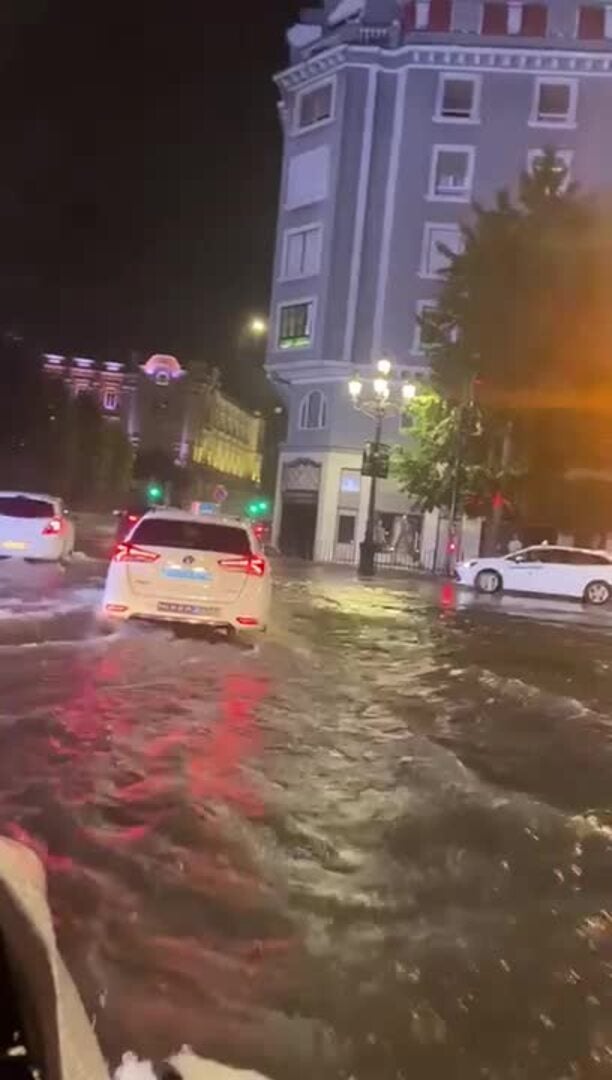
x=327 y=513
x=362 y=513
x=278 y=502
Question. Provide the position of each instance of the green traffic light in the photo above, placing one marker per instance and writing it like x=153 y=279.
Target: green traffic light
x=154 y=491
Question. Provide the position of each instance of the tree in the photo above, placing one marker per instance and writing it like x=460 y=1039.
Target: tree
x=525 y=306
x=448 y=457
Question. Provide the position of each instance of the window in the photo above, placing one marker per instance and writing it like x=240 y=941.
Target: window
x=436 y=236
x=427 y=15
x=166 y=532
x=346 y=528
x=21 y=506
x=295 y=325
x=313 y=411
x=110 y=400
x=452 y=169
x=423 y=336
x=458 y=98
x=592 y=22
x=495 y=18
x=440 y=15
x=308 y=177
x=350 y=482
x=534 y=21
x=302 y=252
x=564 y=156
x=314 y=106
x=555 y=102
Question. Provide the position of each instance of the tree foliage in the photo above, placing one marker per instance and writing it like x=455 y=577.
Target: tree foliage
x=525 y=307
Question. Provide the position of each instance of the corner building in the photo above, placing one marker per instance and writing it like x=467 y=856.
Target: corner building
x=395 y=117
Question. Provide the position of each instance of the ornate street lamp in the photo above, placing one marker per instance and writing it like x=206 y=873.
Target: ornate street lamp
x=377 y=399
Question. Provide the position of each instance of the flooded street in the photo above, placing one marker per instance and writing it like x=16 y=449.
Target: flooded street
x=378 y=845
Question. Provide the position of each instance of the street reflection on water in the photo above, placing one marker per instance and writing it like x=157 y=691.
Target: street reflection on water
x=378 y=845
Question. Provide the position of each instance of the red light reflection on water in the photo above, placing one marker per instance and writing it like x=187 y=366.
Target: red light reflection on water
x=216 y=757
x=101 y=722
x=448 y=596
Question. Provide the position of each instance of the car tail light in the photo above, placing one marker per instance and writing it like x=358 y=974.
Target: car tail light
x=132 y=518
x=246 y=620
x=253 y=565
x=53 y=527
x=130 y=553
x=115 y=609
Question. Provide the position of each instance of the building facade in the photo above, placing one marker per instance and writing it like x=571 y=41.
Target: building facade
x=396 y=116
x=165 y=407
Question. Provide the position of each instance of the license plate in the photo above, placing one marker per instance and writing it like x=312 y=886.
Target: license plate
x=14 y=545
x=186 y=609
x=186 y=573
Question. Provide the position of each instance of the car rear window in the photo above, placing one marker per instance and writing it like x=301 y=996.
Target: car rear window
x=20 y=506
x=201 y=536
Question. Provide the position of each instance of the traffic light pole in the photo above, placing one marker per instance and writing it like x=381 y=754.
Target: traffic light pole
x=367 y=548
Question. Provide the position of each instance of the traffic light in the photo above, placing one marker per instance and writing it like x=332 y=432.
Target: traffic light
x=155 y=492
x=257 y=508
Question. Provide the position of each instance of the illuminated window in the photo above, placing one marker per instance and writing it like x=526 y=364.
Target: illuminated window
x=295 y=325
x=110 y=400
x=350 y=482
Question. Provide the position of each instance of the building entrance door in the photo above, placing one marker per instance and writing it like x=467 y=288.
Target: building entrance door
x=300 y=501
x=298 y=525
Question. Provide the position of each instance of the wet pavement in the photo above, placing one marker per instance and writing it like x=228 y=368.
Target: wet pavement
x=378 y=845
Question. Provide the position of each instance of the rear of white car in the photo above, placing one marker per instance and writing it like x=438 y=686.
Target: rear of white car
x=34 y=527
x=179 y=567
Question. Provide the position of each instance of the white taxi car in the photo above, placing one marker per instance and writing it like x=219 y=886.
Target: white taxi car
x=34 y=527
x=547 y=570
x=174 y=566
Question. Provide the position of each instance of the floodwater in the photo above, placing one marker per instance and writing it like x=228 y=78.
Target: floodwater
x=378 y=845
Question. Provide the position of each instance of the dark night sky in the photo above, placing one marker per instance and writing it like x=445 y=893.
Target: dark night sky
x=139 y=171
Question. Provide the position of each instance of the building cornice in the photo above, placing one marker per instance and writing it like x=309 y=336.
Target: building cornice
x=476 y=58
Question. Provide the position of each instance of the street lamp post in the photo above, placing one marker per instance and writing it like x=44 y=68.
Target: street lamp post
x=379 y=404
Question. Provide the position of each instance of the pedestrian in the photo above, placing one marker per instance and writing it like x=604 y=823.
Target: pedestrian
x=380 y=536
x=514 y=545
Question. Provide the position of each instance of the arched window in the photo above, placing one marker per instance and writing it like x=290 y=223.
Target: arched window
x=313 y=410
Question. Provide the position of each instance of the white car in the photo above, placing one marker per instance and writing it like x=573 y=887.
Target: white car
x=174 y=566
x=547 y=570
x=34 y=527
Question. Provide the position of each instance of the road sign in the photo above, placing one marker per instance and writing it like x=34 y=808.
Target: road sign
x=220 y=494
x=375 y=460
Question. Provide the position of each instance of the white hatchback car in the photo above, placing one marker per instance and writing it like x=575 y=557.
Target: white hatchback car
x=179 y=567
x=547 y=570
x=34 y=527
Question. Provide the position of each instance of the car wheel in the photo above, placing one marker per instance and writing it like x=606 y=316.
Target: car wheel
x=488 y=581
x=597 y=593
